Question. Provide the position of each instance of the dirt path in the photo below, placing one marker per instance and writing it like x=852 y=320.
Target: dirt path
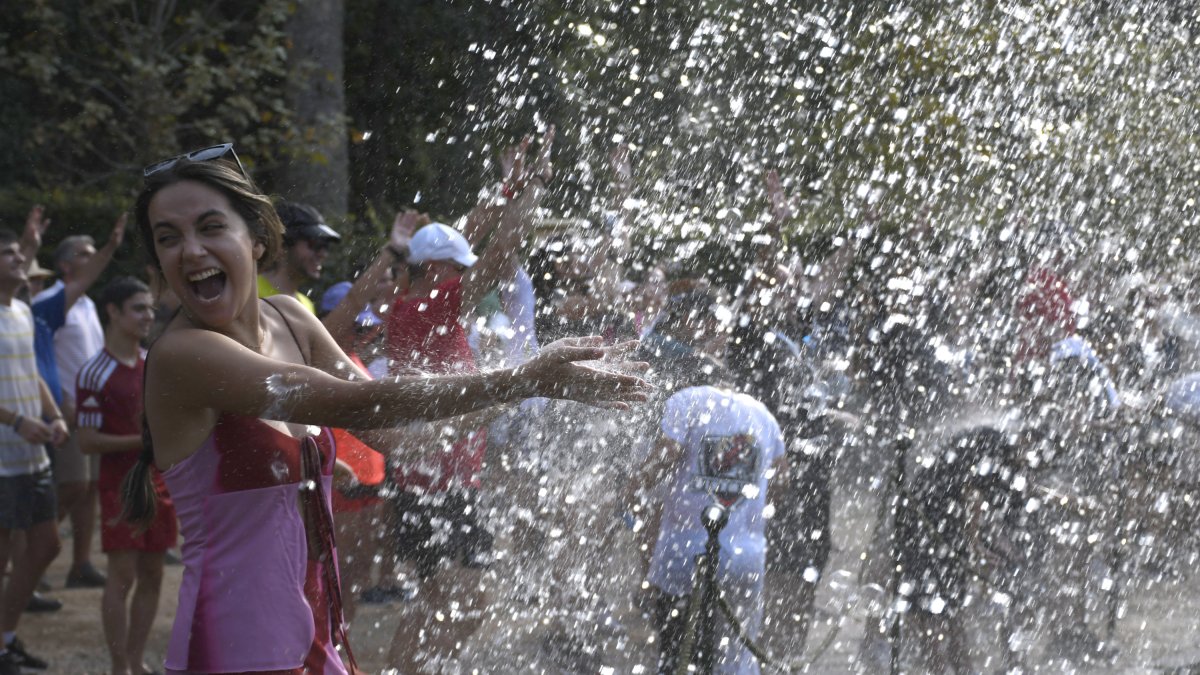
x=1158 y=628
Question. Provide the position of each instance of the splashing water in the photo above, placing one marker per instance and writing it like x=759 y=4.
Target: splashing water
x=982 y=331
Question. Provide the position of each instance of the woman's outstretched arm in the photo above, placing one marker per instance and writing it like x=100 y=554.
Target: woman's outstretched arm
x=202 y=370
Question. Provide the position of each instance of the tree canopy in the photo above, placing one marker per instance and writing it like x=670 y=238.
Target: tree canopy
x=983 y=112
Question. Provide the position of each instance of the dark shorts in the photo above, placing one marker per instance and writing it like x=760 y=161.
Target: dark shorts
x=430 y=528
x=27 y=500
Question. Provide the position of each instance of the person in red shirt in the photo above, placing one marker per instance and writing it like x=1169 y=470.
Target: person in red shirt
x=109 y=418
x=1044 y=314
x=437 y=525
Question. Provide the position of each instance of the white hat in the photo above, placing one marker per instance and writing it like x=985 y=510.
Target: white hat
x=436 y=241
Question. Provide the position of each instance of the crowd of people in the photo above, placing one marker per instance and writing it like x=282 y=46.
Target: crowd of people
x=562 y=396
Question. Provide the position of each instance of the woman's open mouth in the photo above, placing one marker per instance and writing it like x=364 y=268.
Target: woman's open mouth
x=207 y=285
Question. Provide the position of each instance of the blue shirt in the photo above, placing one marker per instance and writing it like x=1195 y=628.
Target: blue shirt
x=49 y=314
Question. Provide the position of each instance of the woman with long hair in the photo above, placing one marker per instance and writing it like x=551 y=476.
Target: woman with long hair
x=239 y=396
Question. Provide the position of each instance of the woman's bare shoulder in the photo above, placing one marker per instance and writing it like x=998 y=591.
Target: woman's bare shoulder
x=185 y=342
x=186 y=358
x=297 y=314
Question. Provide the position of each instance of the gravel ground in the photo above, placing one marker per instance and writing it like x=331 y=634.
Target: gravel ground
x=1157 y=633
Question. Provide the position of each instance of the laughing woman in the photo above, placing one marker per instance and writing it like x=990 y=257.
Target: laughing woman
x=239 y=394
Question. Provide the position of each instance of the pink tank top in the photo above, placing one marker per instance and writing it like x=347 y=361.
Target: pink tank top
x=243 y=604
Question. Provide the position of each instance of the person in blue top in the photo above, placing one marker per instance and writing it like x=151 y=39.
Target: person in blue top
x=54 y=320
x=50 y=307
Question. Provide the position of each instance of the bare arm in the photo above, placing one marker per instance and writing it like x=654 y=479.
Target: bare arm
x=495 y=264
x=36 y=224
x=90 y=272
x=484 y=218
x=35 y=430
x=616 y=234
x=50 y=411
x=202 y=370
x=414 y=441
x=340 y=321
x=93 y=442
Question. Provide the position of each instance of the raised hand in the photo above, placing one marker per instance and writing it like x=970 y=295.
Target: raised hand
x=405 y=224
x=781 y=207
x=512 y=165
x=556 y=372
x=118 y=232
x=542 y=166
x=36 y=224
x=621 y=166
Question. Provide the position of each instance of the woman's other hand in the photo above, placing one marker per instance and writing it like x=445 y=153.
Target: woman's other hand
x=609 y=380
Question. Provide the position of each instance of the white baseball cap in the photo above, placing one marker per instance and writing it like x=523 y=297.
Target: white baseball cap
x=436 y=241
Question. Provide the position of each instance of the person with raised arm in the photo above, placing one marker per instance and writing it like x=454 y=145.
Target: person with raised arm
x=76 y=337
x=29 y=419
x=239 y=396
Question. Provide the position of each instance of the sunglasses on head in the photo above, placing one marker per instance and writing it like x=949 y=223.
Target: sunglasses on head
x=202 y=155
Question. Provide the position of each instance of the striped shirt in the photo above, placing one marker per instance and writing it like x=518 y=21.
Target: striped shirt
x=19 y=391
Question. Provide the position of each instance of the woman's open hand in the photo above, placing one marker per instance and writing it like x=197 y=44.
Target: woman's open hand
x=558 y=371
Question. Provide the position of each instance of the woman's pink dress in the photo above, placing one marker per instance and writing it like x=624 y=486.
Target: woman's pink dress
x=252 y=598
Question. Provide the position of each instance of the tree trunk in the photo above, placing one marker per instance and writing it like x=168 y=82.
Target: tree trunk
x=317 y=170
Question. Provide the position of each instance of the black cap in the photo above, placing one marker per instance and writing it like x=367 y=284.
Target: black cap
x=304 y=222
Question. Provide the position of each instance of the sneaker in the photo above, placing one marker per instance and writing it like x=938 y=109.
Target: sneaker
x=85 y=576
x=9 y=664
x=23 y=658
x=39 y=603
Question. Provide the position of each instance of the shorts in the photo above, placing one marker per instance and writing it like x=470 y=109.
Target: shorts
x=440 y=526
x=72 y=466
x=118 y=535
x=27 y=500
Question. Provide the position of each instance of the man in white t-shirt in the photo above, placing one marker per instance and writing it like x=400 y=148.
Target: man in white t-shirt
x=29 y=418
x=714 y=443
x=76 y=475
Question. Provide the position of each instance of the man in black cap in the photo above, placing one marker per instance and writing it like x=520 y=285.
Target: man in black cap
x=306 y=241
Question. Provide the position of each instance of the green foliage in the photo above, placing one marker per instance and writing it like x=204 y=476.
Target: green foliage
x=116 y=84
x=984 y=112
x=91 y=212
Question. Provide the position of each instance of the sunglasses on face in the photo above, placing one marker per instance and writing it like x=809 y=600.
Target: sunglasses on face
x=202 y=155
